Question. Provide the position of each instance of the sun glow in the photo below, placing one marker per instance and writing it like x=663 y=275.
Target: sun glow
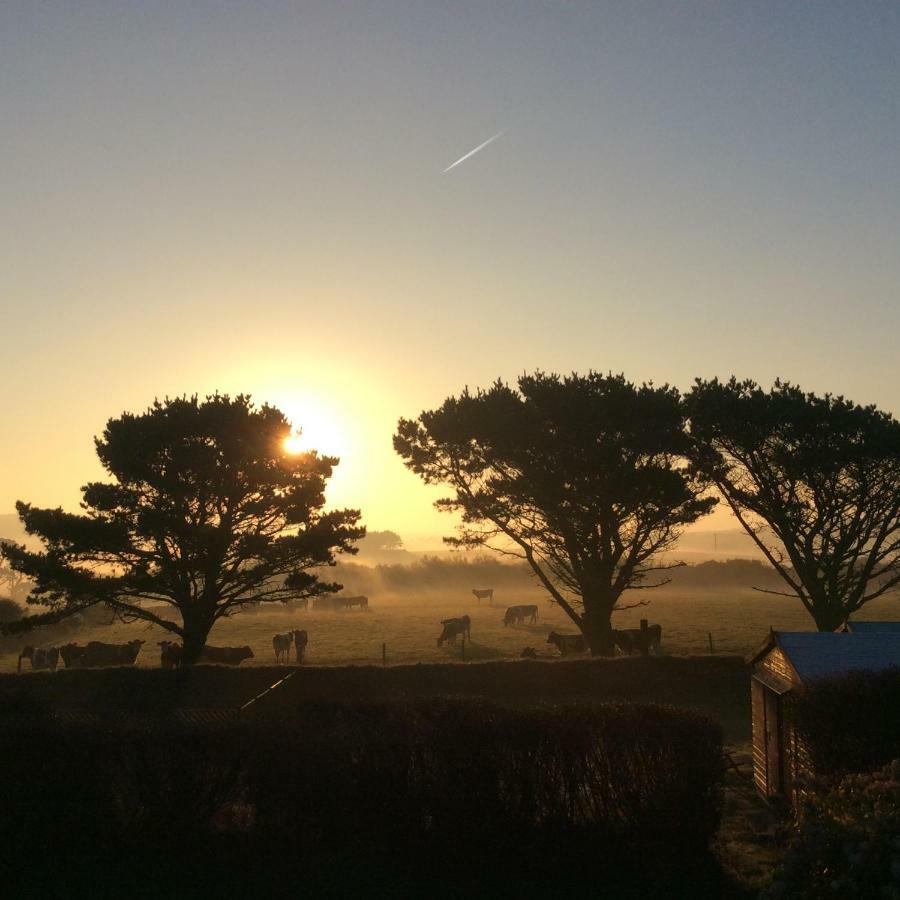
x=316 y=427
x=294 y=444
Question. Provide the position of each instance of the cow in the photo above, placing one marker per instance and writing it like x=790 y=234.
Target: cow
x=281 y=644
x=516 y=615
x=350 y=602
x=97 y=654
x=301 y=639
x=629 y=639
x=567 y=643
x=453 y=628
x=329 y=602
x=169 y=654
x=40 y=658
x=484 y=594
x=72 y=654
x=224 y=656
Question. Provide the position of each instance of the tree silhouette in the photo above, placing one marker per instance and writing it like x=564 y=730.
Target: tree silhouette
x=207 y=513
x=582 y=477
x=815 y=481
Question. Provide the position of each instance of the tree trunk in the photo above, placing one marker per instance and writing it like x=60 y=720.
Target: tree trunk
x=196 y=631
x=829 y=615
x=597 y=630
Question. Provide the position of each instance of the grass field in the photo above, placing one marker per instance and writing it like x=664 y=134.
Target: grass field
x=738 y=623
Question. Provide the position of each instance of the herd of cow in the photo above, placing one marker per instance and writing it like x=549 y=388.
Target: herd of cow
x=627 y=640
x=97 y=654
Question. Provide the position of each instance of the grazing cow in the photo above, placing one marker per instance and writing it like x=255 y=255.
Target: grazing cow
x=329 y=602
x=224 y=656
x=301 y=639
x=281 y=644
x=72 y=655
x=485 y=594
x=169 y=654
x=97 y=654
x=568 y=643
x=40 y=658
x=629 y=639
x=453 y=628
x=350 y=602
x=516 y=615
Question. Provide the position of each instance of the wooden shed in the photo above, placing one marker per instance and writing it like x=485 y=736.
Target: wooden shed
x=787 y=663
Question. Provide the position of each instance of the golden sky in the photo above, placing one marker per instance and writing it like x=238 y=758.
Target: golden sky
x=252 y=198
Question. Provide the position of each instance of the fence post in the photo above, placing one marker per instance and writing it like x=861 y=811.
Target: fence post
x=710 y=642
x=645 y=643
x=384 y=654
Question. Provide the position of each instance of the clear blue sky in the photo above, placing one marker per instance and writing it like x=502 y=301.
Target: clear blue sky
x=248 y=196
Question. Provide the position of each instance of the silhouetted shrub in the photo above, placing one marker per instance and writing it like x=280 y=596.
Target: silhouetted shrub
x=9 y=610
x=426 y=781
x=850 y=723
x=846 y=840
x=459 y=777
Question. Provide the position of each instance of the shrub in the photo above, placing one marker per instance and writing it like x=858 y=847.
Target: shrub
x=9 y=610
x=851 y=723
x=422 y=784
x=846 y=841
x=469 y=774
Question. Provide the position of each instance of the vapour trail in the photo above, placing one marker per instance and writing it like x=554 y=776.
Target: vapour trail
x=462 y=159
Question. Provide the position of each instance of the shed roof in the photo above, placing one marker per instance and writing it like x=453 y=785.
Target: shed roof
x=818 y=654
x=870 y=627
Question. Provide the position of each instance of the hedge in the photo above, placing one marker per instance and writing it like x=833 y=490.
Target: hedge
x=407 y=783
x=850 y=723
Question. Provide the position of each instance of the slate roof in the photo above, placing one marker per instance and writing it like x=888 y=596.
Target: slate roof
x=870 y=627
x=818 y=654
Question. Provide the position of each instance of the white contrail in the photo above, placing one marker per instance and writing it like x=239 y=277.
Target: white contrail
x=490 y=140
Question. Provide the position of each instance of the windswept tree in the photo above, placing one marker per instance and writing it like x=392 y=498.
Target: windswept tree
x=583 y=477
x=207 y=513
x=815 y=482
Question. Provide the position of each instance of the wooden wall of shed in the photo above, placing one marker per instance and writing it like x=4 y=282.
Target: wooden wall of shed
x=758 y=714
x=777 y=663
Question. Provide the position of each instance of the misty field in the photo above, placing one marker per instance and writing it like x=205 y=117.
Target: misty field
x=737 y=620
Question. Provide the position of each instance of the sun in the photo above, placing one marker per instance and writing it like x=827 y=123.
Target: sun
x=316 y=427
x=295 y=444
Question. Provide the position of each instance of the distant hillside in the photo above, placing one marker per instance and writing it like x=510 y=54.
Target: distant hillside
x=462 y=573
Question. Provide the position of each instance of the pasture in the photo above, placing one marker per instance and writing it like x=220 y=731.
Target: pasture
x=409 y=626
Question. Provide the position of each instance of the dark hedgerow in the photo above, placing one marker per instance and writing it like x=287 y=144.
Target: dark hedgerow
x=469 y=772
x=412 y=784
x=850 y=723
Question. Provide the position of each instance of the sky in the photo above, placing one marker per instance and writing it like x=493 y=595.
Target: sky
x=252 y=197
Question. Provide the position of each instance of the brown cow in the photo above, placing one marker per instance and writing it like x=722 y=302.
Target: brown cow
x=281 y=644
x=97 y=654
x=516 y=615
x=568 y=643
x=629 y=639
x=224 y=656
x=40 y=658
x=453 y=628
x=301 y=639
x=169 y=654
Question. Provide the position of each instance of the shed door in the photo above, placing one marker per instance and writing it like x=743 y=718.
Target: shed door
x=774 y=747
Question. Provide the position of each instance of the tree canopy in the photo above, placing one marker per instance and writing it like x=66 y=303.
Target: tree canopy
x=206 y=513
x=815 y=481
x=583 y=477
